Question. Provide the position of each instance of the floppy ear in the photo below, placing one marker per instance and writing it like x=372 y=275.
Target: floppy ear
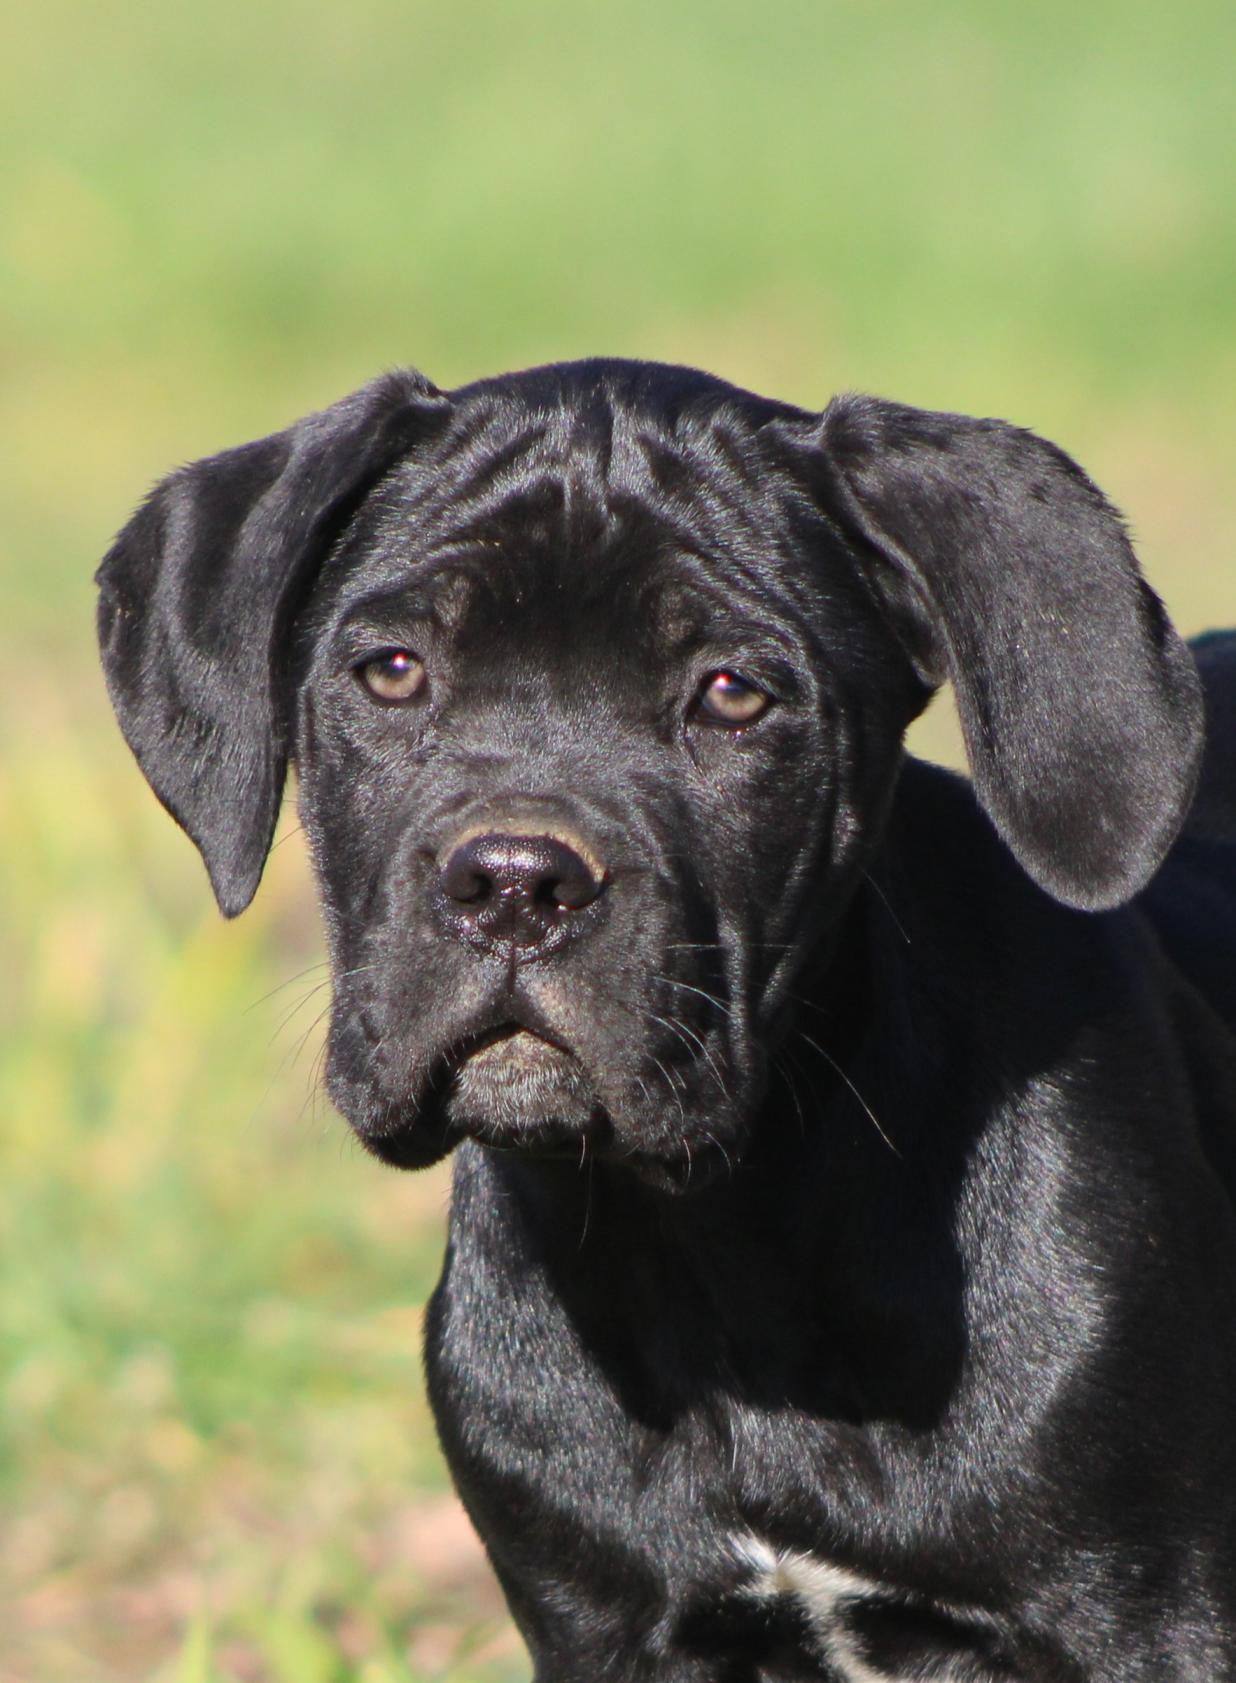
x=197 y=596
x=1002 y=567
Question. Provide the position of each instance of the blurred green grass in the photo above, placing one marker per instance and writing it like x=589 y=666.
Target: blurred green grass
x=217 y=1462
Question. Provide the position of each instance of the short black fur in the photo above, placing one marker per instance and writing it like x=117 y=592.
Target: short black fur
x=842 y=1266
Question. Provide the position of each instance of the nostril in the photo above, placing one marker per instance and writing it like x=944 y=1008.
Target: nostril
x=463 y=881
x=573 y=885
x=525 y=878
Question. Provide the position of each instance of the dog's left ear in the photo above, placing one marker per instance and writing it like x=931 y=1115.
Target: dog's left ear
x=198 y=594
x=1001 y=566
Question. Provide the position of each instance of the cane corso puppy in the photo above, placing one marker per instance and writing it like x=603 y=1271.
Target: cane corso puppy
x=842 y=1267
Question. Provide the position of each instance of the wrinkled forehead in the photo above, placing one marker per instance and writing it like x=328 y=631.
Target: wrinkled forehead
x=673 y=511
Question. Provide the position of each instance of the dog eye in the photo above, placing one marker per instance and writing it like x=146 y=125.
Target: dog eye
x=727 y=699
x=394 y=675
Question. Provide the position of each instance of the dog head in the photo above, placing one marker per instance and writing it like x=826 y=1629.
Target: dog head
x=595 y=679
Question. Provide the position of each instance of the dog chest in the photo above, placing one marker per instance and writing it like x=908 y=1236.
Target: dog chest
x=623 y=1521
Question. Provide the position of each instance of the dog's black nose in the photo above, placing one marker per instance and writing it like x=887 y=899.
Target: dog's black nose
x=518 y=889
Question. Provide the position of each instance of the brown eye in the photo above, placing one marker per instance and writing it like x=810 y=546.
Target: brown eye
x=396 y=675
x=730 y=700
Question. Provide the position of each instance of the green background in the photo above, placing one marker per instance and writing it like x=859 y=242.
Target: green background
x=217 y=1462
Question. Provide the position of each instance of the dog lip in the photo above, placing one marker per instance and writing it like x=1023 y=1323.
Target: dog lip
x=469 y=1048
x=470 y=1044
x=474 y=1042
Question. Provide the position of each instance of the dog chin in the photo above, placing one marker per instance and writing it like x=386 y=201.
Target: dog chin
x=514 y=1090
x=519 y=1091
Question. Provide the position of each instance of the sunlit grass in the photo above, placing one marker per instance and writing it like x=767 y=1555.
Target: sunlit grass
x=211 y=1404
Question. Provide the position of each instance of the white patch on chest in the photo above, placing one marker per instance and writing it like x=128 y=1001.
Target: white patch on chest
x=824 y=1592
x=821 y=1590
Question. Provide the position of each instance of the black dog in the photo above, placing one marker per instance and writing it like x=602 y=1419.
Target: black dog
x=842 y=1273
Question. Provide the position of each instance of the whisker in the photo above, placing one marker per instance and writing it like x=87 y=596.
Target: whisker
x=888 y=908
x=279 y=986
x=588 y=1194
x=297 y=1008
x=674 y=1093
x=688 y=987
x=828 y=1058
x=289 y=1059
x=787 y=1076
x=725 y=1156
x=343 y=976
x=317 y=1083
x=296 y=830
x=682 y=1031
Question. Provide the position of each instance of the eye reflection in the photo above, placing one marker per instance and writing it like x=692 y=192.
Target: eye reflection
x=394 y=675
x=729 y=699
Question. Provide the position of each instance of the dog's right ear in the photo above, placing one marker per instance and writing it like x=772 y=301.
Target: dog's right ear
x=198 y=594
